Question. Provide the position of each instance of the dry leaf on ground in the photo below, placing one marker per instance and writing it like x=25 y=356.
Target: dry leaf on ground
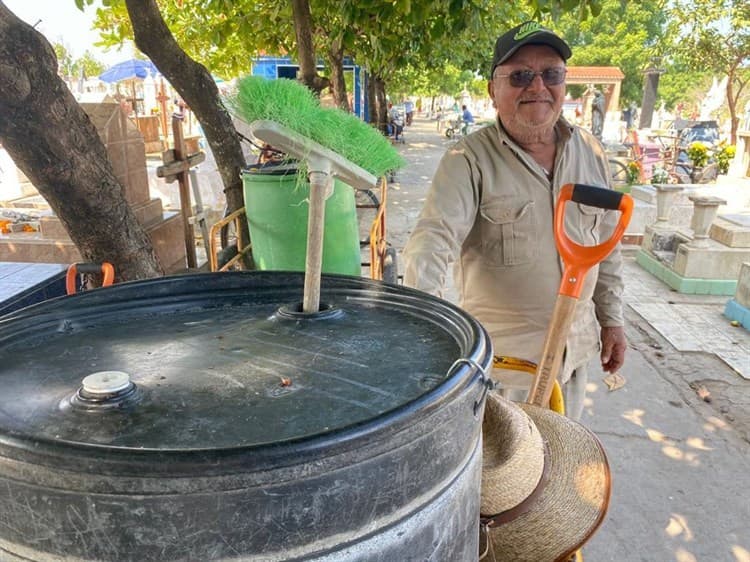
x=703 y=393
x=614 y=381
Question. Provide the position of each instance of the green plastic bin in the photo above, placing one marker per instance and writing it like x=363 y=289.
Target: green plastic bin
x=277 y=209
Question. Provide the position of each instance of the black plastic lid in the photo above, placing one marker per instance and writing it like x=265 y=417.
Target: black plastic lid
x=219 y=361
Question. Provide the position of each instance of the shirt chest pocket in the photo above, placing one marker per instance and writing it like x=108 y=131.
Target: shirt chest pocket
x=508 y=230
x=590 y=223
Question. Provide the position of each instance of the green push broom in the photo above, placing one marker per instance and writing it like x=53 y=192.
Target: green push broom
x=287 y=116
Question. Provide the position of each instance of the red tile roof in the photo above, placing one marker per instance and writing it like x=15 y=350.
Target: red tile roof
x=594 y=73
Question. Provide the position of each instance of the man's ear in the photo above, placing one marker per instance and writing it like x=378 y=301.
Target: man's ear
x=491 y=90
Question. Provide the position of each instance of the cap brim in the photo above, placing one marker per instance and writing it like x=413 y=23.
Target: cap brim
x=545 y=38
x=570 y=504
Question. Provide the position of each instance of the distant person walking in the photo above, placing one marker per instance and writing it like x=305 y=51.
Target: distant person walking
x=409 y=110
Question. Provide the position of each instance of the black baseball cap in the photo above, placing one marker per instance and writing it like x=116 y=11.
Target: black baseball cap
x=528 y=33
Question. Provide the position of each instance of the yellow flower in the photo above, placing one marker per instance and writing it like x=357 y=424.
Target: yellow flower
x=698 y=153
x=634 y=171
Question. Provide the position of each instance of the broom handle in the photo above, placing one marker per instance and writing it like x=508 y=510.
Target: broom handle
x=319 y=185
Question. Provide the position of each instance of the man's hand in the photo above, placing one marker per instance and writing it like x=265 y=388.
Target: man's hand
x=613 y=348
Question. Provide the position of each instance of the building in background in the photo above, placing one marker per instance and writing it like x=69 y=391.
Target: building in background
x=283 y=67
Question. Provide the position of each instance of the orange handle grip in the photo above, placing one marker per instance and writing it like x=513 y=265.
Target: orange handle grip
x=579 y=259
x=106 y=268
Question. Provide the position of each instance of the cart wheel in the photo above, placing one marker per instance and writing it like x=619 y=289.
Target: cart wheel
x=390 y=266
x=618 y=172
x=449 y=132
x=366 y=198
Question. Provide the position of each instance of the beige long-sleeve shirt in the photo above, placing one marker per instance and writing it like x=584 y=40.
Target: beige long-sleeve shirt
x=490 y=212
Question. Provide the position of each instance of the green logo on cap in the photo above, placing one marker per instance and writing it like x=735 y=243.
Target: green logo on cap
x=527 y=29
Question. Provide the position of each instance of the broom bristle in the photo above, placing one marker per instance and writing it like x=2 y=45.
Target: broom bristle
x=291 y=104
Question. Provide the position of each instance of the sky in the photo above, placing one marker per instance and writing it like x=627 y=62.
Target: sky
x=62 y=22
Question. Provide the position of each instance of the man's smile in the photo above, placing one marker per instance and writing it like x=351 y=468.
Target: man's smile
x=535 y=101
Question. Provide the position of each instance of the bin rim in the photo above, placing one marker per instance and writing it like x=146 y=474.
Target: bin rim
x=271 y=168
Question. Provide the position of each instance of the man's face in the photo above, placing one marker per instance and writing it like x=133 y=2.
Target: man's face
x=528 y=112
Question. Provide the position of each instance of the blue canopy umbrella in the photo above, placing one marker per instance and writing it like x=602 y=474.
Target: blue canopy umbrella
x=128 y=70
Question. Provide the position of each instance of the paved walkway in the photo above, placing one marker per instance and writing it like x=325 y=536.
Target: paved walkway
x=677 y=434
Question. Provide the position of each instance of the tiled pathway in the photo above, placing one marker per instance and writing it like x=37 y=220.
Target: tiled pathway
x=688 y=322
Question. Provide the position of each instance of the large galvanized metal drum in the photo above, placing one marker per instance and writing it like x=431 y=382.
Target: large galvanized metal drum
x=203 y=417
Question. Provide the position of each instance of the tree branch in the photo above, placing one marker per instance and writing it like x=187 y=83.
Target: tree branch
x=197 y=87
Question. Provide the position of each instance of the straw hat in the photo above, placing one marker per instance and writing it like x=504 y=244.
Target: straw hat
x=545 y=484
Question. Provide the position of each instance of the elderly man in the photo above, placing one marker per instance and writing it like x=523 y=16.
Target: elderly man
x=490 y=210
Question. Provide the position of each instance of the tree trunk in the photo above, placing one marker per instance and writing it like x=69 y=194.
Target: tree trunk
x=377 y=101
x=308 y=72
x=732 y=103
x=338 y=84
x=372 y=113
x=198 y=89
x=53 y=141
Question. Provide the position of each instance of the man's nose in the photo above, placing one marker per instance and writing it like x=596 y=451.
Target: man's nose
x=537 y=83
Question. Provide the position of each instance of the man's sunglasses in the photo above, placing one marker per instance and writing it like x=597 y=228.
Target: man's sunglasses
x=523 y=78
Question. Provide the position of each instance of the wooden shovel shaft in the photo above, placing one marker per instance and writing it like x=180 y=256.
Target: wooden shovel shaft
x=552 y=353
x=319 y=183
x=578 y=260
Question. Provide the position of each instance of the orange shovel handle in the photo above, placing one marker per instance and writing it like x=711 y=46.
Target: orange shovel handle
x=579 y=259
x=106 y=269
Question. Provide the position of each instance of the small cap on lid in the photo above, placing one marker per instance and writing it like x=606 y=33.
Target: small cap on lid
x=105 y=382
